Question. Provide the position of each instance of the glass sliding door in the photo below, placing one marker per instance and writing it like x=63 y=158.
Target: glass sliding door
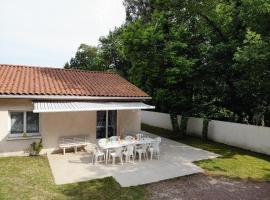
x=101 y=124
x=106 y=123
x=112 y=123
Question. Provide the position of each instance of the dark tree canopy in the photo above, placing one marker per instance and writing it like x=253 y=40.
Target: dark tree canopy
x=207 y=58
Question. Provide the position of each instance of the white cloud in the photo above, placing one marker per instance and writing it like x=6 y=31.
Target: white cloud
x=48 y=32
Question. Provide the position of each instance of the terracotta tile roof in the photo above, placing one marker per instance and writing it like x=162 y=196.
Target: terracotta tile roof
x=29 y=80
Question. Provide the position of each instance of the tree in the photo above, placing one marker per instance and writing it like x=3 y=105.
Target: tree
x=111 y=52
x=86 y=58
x=206 y=58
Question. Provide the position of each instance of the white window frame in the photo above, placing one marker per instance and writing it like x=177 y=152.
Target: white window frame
x=15 y=135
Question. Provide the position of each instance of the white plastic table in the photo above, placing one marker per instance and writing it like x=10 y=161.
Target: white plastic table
x=122 y=143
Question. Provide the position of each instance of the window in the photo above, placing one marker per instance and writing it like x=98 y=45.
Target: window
x=106 y=129
x=32 y=122
x=24 y=122
x=16 y=122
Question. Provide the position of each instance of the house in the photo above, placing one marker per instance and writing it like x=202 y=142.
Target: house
x=50 y=103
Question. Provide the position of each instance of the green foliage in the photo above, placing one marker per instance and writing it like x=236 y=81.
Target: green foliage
x=202 y=58
x=206 y=58
x=35 y=148
x=86 y=58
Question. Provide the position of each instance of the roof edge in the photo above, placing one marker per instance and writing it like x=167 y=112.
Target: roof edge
x=66 y=97
x=57 y=68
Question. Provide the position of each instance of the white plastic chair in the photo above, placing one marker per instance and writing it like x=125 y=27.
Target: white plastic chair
x=89 y=148
x=154 y=149
x=117 y=154
x=139 y=136
x=102 y=141
x=142 y=150
x=97 y=153
x=129 y=138
x=113 y=138
x=129 y=153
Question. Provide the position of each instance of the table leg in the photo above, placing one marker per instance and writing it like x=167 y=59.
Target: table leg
x=107 y=155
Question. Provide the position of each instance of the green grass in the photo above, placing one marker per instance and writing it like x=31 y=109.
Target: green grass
x=234 y=162
x=30 y=178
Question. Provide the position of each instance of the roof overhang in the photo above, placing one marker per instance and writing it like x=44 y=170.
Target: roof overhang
x=48 y=107
x=67 y=97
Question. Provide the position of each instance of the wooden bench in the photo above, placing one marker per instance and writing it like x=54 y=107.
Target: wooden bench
x=73 y=142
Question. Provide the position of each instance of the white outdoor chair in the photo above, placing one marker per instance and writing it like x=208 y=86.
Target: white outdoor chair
x=89 y=148
x=113 y=138
x=142 y=150
x=154 y=149
x=117 y=154
x=139 y=136
x=129 y=138
x=97 y=153
x=102 y=141
x=129 y=153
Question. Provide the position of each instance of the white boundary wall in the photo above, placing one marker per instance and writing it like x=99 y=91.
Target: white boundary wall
x=253 y=138
x=250 y=137
x=195 y=126
x=157 y=119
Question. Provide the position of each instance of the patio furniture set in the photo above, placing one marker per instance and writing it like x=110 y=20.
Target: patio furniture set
x=129 y=148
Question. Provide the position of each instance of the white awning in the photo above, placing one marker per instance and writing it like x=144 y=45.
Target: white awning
x=40 y=107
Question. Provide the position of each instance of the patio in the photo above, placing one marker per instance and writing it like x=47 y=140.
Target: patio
x=175 y=161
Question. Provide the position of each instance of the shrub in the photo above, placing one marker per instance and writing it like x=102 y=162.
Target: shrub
x=35 y=148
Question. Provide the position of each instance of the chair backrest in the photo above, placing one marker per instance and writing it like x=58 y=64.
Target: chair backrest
x=118 y=151
x=158 y=139
x=139 y=136
x=102 y=141
x=155 y=145
x=130 y=149
x=143 y=146
x=114 y=138
x=129 y=138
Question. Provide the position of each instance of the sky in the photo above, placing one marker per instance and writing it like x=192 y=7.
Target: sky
x=48 y=32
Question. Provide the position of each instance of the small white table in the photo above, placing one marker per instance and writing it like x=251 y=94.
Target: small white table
x=122 y=143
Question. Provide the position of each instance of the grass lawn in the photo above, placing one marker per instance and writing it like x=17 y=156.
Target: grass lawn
x=234 y=162
x=30 y=178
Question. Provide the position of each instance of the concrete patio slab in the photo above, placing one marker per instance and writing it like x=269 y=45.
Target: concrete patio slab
x=175 y=161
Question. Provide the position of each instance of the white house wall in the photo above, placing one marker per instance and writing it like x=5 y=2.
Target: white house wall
x=56 y=125
x=128 y=120
x=12 y=147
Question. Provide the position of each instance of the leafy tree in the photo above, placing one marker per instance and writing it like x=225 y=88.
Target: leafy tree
x=206 y=58
x=87 y=58
x=111 y=52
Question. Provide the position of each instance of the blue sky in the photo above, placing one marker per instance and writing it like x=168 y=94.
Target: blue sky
x=48 y=32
